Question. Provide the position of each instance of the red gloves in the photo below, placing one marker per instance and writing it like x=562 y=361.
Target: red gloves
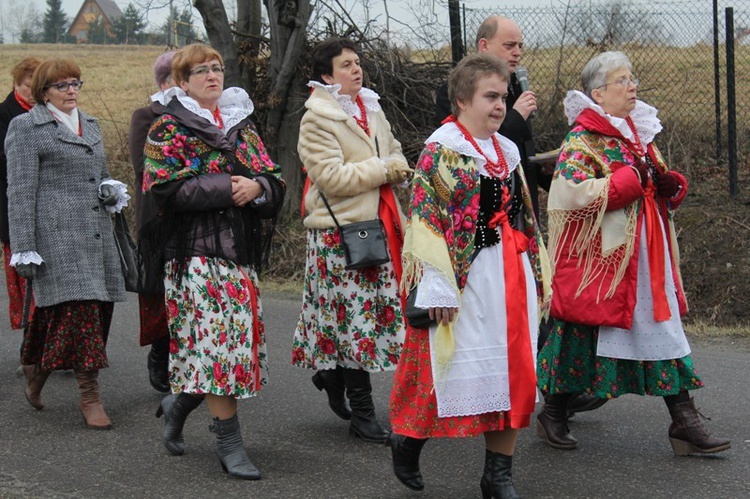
x=667 y=185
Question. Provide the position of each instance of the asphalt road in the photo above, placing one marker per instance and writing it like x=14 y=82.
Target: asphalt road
x=304 y=451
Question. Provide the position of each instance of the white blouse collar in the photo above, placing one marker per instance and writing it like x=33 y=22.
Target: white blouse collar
x=71 y=121
x=234 y=105
x=369 y=98
x=644 y=116
x=450 y=136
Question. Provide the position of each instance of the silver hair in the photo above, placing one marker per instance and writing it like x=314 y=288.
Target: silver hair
x=594 y=74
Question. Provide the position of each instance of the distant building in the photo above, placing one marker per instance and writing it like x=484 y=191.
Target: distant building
x=94 y=12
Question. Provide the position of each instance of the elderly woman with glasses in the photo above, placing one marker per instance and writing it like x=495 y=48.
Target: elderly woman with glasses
x=60 y=196
x=616 y=287
x=215 y=188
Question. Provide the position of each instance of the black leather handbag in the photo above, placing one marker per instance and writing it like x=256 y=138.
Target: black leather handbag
x=363 y=242
x=417 y=318
x=128 y=252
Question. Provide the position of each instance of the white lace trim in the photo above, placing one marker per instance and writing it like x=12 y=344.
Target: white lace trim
x=435 y=290
x=234 y=105
x=72 y=120
x=644 y=116
x=26 y=257
x=122 y=195
x=450 y=136
x=369 y=98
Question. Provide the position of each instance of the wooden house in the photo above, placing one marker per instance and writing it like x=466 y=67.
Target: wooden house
x=94 y=11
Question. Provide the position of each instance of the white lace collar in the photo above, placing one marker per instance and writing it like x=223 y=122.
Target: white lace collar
x=234 y=105
x=644 y=116
x=450 y=136
x=369 y=98
x=69 y=120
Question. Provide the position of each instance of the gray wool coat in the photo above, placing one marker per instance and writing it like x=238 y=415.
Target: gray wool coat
x=54 y=208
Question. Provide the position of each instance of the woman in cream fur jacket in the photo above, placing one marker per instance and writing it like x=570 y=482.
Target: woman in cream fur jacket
x=351 y=322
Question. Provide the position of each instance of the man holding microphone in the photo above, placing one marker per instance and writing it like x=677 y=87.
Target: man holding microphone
x=502 y=38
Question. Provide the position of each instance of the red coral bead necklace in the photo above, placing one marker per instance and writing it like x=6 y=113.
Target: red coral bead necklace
x=497 y=168
x=362 y=121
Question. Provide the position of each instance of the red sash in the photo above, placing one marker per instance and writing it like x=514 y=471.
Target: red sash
x=521 y=369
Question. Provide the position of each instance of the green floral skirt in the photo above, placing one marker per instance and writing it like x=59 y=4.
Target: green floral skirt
x=568 y=363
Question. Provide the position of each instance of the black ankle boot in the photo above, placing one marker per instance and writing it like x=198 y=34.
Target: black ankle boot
x=363 y=423
x=405 y=452
x=332 y=381
x=552 y=422
x=497 y=481
x=175 y=409
x=158 y=365
x=231 y=449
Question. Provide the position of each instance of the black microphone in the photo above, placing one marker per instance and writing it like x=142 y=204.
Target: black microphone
x=522 y=77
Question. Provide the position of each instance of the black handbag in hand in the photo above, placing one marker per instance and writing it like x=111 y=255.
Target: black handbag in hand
x=363 y=242
x=417 y=318
x=128 y=251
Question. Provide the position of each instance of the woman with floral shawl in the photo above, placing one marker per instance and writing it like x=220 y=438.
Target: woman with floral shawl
x=473 y=246
x=617 y=292
x=213 y=182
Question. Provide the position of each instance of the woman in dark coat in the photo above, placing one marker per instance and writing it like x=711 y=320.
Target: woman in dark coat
x=213 y=182
x=60 y=196
x=18 y=102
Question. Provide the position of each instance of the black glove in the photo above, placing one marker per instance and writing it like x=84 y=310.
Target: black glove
x=26 y=270
x=108 y=195
x=643 y=171
x=667 y=185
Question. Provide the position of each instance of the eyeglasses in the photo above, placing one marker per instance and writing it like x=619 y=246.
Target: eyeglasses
x=64 y=86
x=623 y=82
x=203 y=70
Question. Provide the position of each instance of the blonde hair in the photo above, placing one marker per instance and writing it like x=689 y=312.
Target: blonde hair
x=188 y=55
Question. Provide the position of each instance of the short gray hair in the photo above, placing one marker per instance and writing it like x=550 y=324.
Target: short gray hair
x=595 y=72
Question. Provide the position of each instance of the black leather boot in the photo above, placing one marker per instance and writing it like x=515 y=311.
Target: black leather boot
x=363 y=423
x=332 y=381
x=405 y=452
x=231 y=449
x=497 y=481
x=176 y=409
x=158 y=365
x=552 y=422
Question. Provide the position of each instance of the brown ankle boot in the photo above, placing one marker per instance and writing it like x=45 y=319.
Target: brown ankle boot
x=687 y=433
x=91 y=405
x=552 y=422
x=35 y=379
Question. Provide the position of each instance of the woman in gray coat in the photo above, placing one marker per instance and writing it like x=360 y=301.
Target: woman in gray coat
x=60 y=198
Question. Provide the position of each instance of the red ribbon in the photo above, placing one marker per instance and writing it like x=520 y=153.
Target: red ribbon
x=388 y=213
x=521 y=369
x=656 y=264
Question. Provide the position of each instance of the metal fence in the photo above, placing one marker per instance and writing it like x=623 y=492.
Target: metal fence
x=671 y=47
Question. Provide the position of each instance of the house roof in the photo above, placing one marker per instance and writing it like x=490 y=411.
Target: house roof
x=109 y=8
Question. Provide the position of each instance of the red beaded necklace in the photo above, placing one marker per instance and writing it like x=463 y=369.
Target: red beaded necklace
x=362 y=122
x=497 y=168
x=217 y=118
x=636 y=142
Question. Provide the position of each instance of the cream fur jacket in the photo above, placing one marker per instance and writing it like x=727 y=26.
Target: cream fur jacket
x=343 y=162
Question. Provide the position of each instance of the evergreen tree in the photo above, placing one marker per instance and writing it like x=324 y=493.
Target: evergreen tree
x=179 y=28
x=55 y=22
x=129 y=28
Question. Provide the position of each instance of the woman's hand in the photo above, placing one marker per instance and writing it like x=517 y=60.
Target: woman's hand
x=244 y=190
x=443 y=314
x=526 y=104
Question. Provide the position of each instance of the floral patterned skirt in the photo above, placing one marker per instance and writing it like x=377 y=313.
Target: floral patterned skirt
x=153 y=317
x=414 y=408
x=70 y=335
x=16 y=291
x=350 y=318
x=217 y=338
x=567 y=363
